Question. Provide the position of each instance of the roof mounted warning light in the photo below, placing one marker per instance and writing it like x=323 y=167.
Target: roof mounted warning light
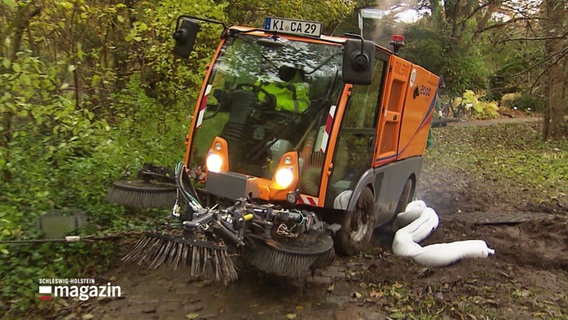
x=397 y=42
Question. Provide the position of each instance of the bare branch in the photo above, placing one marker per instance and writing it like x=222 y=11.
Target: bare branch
x=559 y=56
x=479 y=8
x=502 y=24
x=564 y=36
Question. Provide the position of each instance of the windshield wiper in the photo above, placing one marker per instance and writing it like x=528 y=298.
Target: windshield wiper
x=326 y=61
x=271 y=42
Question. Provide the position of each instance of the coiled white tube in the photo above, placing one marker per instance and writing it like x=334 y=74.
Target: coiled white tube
x=419 y=221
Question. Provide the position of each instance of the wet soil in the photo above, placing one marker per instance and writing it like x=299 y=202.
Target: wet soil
x=527 y=278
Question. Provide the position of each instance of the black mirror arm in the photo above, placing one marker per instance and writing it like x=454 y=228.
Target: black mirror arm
x=357 y=36
x=183 y=17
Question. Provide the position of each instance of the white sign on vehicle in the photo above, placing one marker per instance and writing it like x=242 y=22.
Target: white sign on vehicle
x=299 y=27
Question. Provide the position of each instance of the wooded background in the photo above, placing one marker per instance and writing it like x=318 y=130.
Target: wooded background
x=90 y=90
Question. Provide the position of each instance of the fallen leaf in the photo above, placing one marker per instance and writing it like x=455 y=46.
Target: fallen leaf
x=191 y=316
x=376 y=294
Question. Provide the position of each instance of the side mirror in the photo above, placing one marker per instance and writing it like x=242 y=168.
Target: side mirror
x=358 y=61
x=185 y=36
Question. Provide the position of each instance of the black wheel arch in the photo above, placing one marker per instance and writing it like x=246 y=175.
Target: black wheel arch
x=367 y=180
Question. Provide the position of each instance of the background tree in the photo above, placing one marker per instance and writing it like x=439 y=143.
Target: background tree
x=89 y=90
x=556 y=49
x=497 y=47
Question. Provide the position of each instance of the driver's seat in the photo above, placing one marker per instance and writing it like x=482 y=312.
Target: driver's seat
x=240 y=105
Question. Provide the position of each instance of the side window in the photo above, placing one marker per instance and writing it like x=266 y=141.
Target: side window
x=356 y=140
x=362 y=108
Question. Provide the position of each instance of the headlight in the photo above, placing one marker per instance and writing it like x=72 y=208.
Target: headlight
x=284 y=177
x=214 y=163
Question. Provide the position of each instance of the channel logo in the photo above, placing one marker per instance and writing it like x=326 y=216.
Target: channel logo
x=45 y=293
x=81 y=292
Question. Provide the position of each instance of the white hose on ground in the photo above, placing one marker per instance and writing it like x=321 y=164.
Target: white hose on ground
x=417 y=223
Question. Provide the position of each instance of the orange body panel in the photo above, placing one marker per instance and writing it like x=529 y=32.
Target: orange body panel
x=263 y=188
x=406 y=111
x=392 y=107
x=420 y=100
x=328 y=165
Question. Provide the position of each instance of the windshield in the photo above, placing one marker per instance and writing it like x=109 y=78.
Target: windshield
x=268 y=96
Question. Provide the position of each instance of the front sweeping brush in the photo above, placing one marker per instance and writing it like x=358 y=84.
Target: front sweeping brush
x=292 y=258
x=203 y=258
x=195 y=243
x=154 y=188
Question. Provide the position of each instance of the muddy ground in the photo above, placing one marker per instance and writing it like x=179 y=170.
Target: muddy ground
x=527 y=278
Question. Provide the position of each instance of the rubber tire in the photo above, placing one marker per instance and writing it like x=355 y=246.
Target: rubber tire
x=404 y=196
x=357 y=226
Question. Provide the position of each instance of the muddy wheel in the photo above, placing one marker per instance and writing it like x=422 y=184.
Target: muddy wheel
x=357 y=226
x=405 y=196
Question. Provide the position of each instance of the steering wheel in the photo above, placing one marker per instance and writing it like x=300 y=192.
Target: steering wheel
x=211 y=111
x=267 y=106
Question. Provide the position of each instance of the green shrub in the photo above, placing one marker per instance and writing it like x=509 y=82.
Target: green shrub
x=481 y=109
x=528 y=102
x=507 y=100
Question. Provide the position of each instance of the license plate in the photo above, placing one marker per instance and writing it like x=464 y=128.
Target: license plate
x=298 y=27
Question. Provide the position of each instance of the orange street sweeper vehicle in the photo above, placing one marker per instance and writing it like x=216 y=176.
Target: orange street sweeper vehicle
x=299 y=146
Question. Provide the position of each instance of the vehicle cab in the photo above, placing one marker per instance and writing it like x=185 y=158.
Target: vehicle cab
x=290 y=117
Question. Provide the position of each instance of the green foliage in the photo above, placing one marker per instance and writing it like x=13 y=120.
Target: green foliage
x=481 y=109
x=458 y=60
x=465 y=69
x=90 y=89
x=508 y=99
x=29 y=263
x=47 y=147
x=425 y=47
x=511 y=62
x=510 y=159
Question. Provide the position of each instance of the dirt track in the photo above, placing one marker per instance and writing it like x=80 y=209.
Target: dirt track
x=527 y=278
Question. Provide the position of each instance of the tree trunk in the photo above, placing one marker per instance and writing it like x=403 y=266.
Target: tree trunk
x=15 y=32
x=556 y=93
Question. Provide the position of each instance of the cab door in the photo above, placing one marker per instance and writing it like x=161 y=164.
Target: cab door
x=356 y=139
